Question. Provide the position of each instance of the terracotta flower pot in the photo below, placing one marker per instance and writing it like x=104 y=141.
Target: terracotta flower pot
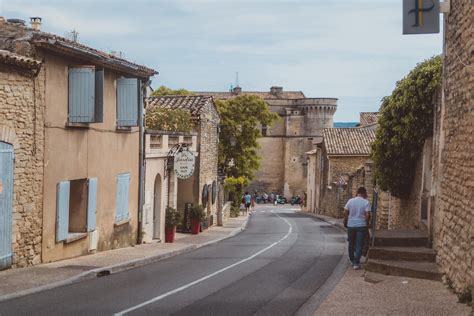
x=195 y=226
x=170 y=232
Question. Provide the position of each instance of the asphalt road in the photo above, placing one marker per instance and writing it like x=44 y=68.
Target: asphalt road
x=271 y=268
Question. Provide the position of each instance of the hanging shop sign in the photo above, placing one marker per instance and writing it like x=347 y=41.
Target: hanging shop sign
x=214 y=191
x=184 y=162
x=205 y=195
x=421 y=16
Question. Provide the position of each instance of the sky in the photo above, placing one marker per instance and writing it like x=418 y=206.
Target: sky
x=352 y=50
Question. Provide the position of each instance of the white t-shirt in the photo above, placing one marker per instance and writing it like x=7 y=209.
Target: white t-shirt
x=357 y=207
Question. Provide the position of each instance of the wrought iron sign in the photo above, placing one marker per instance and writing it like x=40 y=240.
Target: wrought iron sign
x=181 y=159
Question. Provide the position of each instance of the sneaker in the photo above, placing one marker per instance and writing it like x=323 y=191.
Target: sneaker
x=356 y=267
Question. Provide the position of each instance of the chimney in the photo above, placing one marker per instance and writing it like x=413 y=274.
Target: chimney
x=35 y=22
x=237 y=90
x=276 y=90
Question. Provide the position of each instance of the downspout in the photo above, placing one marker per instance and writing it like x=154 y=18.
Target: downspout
x=141 y=162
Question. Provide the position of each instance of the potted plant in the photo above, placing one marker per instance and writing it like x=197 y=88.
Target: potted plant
x=172 y=219
x=197 y=214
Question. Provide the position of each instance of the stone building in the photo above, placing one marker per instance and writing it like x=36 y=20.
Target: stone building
x=161 y=183
x=21 y=160
x=453 y=185
x=201 y=188
x=284 y=145
x=333 y=165
x=88 y=131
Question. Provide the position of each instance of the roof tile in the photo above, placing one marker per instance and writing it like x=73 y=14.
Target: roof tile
x=348 y=141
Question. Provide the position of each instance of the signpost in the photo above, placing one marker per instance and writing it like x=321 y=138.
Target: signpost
x=184 y=164
x=420 y=16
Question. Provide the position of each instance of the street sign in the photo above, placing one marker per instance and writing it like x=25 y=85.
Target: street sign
x=420 y=16
x=184 y=164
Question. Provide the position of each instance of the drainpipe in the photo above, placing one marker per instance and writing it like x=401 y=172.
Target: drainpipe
x=141 y=162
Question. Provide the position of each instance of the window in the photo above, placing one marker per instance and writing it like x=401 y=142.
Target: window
x=127 y=102
x=75 y=207
x=155 y=142
x=123 y=188
x=86 y=95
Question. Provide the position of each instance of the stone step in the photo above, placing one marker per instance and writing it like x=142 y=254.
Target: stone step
x=400 y=238
x=402 y=253
x=411 y=269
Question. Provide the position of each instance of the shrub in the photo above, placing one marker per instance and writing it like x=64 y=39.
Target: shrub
x=172 y=217
x=197 y=212
x=405 y=121
x=170 y=120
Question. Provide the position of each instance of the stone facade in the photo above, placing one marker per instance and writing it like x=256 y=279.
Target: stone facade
x=454 y=209
x=204 y=112
x=283 y=169
x=22 y=125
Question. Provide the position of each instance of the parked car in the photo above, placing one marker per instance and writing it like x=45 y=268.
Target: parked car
x=282 y=200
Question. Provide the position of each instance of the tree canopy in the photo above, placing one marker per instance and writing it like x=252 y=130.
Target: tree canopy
x=405 y=121
x=162 y=91
x=171 y=120
x=240 y=120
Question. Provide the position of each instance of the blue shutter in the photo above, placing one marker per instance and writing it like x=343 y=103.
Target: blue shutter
x=62 y=210
x=127 y=102
x=99 y=96
x=91 y=204
x=81 y=95
x=6 y=204
x=123 y=188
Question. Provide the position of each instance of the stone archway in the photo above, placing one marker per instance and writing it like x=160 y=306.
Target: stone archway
x=8 y=135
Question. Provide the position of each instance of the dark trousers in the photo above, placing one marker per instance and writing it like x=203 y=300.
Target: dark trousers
x=356 y=237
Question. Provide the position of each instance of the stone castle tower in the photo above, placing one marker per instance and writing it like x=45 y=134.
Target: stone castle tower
x=284 y=145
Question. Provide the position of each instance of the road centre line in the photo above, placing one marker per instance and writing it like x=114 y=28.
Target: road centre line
x=184 y=287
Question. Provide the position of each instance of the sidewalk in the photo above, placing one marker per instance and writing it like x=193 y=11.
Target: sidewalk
x=19 y=282
x=386 y=295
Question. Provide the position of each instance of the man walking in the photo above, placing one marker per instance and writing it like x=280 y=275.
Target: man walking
x=248 y=201
x=357 y=217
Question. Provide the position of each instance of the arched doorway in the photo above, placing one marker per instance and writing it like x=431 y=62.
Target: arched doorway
x=6 y=204
x=157 y=205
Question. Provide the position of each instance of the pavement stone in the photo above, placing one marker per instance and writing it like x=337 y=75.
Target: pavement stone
x=24 y=281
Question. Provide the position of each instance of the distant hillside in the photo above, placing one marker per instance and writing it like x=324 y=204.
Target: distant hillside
x=345 y=124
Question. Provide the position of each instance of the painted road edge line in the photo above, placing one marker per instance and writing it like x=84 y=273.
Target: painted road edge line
x=184 y=287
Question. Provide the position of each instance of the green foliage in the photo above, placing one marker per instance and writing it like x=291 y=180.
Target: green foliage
x=235 y=186
x=197 y=212
x=405 y=121
x=161 y=91
x=234 y=211
x=172 y=217
x=171 y=120
x=240 y=118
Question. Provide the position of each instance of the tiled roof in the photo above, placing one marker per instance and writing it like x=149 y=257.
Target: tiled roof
x=193 y=103
x=18 y=60
x=348 y=141
x=367 y=118
x=67 y=47
x=264 y=95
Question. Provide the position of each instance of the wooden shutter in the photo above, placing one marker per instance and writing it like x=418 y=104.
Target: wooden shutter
x=81 y=95
x=91 y=204
x=6 y=204
x=99 y=97
x=127 y=102
x=123 y=188
x=62 y=210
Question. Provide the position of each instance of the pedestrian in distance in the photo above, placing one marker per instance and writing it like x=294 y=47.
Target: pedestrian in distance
x=248 y=201
x=356 y=219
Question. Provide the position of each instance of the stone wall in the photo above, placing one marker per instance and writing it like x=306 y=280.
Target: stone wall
x=22 y=124
x=208 y=155
x=454 y=211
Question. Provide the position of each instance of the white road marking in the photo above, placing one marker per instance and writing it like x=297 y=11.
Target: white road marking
x=184 y=287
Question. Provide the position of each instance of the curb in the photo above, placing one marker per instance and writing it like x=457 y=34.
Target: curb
x=112 y=269
x=327 y=220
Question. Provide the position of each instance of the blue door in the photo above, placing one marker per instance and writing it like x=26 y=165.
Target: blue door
x=6 y=204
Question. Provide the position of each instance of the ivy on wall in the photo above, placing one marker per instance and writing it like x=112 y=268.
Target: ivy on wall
x=405 y=121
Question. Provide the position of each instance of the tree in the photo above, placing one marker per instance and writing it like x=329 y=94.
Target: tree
x=240 y=119
x=162 y=91
x=405 y=121
x=166 y=119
